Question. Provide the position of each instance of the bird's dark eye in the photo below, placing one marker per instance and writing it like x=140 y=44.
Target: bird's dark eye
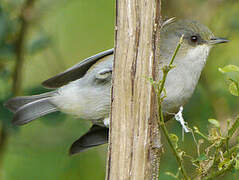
x=194 y=39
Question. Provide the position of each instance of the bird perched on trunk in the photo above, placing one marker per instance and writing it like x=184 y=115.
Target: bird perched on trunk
x=85 y=89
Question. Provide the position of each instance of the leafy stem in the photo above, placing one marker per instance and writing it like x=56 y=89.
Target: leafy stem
x=160 y=87
x=166 y=69
x=220 y=172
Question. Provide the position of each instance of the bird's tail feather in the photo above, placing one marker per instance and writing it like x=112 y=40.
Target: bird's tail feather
x=96 y=136
x=28 y=108
x=15 y=103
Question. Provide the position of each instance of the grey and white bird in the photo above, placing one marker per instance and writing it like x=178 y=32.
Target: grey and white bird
x=84 y=90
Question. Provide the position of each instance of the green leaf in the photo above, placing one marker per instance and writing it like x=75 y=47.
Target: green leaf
x=214 y=122
x=234 y=127
x=171 y=174
x=174 y=139
x=229 y=68
x=233 y=88
x=202 y=157
x=237 y=164
x=224 y=164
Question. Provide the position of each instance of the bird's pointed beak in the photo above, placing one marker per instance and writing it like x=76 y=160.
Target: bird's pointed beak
x=217 y=40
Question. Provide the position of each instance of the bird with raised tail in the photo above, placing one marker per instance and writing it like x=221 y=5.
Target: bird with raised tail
x=84 y=90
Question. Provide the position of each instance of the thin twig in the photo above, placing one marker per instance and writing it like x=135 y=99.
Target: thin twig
x=225 y=141
x=174 y=150
x=221 y=172
x=17 y=75
x=166 y=69
x=19 y=47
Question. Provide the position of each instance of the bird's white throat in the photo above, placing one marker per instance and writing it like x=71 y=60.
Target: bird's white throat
x=198 y=54
x=182 y=80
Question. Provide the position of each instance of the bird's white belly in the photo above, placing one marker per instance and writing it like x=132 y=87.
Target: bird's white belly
x=178 y=90
x=86 y=103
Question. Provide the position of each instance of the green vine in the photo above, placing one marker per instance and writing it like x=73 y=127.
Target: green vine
x=218 y=157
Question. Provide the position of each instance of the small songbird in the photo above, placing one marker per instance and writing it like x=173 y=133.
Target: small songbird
x=84 y=90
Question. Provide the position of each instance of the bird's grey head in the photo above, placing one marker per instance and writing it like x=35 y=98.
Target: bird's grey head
x=197 y=39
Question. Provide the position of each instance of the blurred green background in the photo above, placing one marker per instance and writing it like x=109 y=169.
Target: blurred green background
x=60 y=34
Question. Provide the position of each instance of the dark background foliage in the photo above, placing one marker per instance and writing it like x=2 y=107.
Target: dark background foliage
x=60 y=34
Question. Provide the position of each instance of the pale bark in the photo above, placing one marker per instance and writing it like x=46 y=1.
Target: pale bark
x=134 y=142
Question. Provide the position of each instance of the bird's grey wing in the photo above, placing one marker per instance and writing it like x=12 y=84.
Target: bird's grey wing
x=96 y=136
x=76 y=71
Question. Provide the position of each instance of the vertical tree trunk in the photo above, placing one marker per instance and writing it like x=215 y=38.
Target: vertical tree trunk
x=134 y=142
